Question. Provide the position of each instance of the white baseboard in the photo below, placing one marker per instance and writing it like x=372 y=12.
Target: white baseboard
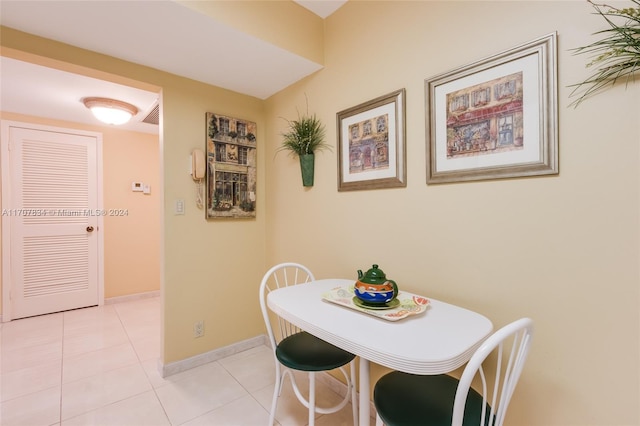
x=214 y=355
x=178 y=366
x=131 y=297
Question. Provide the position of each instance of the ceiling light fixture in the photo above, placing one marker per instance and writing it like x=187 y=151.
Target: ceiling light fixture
x=110 y=111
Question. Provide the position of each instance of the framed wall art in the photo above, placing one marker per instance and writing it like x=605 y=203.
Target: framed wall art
x=495 y=118
x=231 y=167
x=371 y=144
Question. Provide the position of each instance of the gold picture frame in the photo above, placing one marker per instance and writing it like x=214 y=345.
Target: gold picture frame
x=495 y=118
x=371 y=144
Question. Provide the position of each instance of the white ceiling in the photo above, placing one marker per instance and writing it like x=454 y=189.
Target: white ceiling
x=39 y=91
x=128 y=30
x=322 y=8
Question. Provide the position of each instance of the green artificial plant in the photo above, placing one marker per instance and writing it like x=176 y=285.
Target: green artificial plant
x=616 y=54
x=302 y=139
x=304 y=135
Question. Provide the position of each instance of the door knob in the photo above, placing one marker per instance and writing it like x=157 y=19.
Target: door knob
x=89 y=228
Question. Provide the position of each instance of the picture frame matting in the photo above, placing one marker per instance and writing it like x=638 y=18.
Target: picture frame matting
x=495 y=118
x=371 y=144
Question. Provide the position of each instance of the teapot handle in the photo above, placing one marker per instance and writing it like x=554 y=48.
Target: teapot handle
x=395 y=288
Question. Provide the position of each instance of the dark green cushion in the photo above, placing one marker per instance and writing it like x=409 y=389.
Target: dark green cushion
x=303 y=351
x=406 y=399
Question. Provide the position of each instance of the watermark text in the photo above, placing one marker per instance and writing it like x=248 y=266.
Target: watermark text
x=65 y=212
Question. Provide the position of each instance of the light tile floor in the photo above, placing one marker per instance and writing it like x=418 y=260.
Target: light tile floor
x=99 y=366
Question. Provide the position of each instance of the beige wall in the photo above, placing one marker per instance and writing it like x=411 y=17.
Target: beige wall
x=131 y=242
x=282 y=23
x=562 y=250
x=212 y=269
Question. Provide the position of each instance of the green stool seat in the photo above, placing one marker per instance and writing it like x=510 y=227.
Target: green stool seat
x=424 y=401
x=403 y=399
x=303 y=351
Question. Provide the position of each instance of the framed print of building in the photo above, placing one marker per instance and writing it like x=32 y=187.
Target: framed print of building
x=231 y=167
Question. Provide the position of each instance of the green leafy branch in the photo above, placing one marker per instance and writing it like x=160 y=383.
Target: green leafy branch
x=304 y=135
x=616 y=55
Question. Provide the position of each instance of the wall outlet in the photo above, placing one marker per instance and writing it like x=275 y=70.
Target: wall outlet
x=198 y=329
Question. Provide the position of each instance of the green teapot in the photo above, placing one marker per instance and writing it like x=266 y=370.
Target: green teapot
x=373 y=287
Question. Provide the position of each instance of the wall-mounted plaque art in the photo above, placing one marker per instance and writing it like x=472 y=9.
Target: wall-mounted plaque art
x=231 y=167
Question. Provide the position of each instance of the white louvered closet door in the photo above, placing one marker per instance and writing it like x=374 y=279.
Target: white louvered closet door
x=54 y=221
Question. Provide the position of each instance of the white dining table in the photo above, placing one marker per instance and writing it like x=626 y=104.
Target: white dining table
x=438 y=340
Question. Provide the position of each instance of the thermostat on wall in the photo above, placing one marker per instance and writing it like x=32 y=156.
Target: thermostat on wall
x=137 y=186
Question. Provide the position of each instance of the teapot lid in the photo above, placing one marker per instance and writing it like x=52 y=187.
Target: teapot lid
x=375 y=273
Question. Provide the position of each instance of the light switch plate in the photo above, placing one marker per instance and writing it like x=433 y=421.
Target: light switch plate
x=178 y=207
x=137 y=186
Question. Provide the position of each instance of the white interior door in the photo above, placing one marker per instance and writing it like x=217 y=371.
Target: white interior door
x=51 y=220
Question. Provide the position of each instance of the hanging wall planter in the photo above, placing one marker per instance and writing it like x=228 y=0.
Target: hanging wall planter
x=303 y=138
x=306 y=168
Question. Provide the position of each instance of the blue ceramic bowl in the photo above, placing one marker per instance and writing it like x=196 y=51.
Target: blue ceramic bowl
x=372 y=297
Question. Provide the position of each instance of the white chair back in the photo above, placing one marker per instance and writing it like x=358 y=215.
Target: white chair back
x=281 y=275
x=500 y=372
x=284 y=275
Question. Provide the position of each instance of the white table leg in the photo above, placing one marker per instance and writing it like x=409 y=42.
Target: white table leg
x=363 y=404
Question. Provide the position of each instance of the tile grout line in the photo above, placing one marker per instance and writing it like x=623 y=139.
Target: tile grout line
x=153 y=388
x=249 y=393
x=59 y=340
x=139 y=363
